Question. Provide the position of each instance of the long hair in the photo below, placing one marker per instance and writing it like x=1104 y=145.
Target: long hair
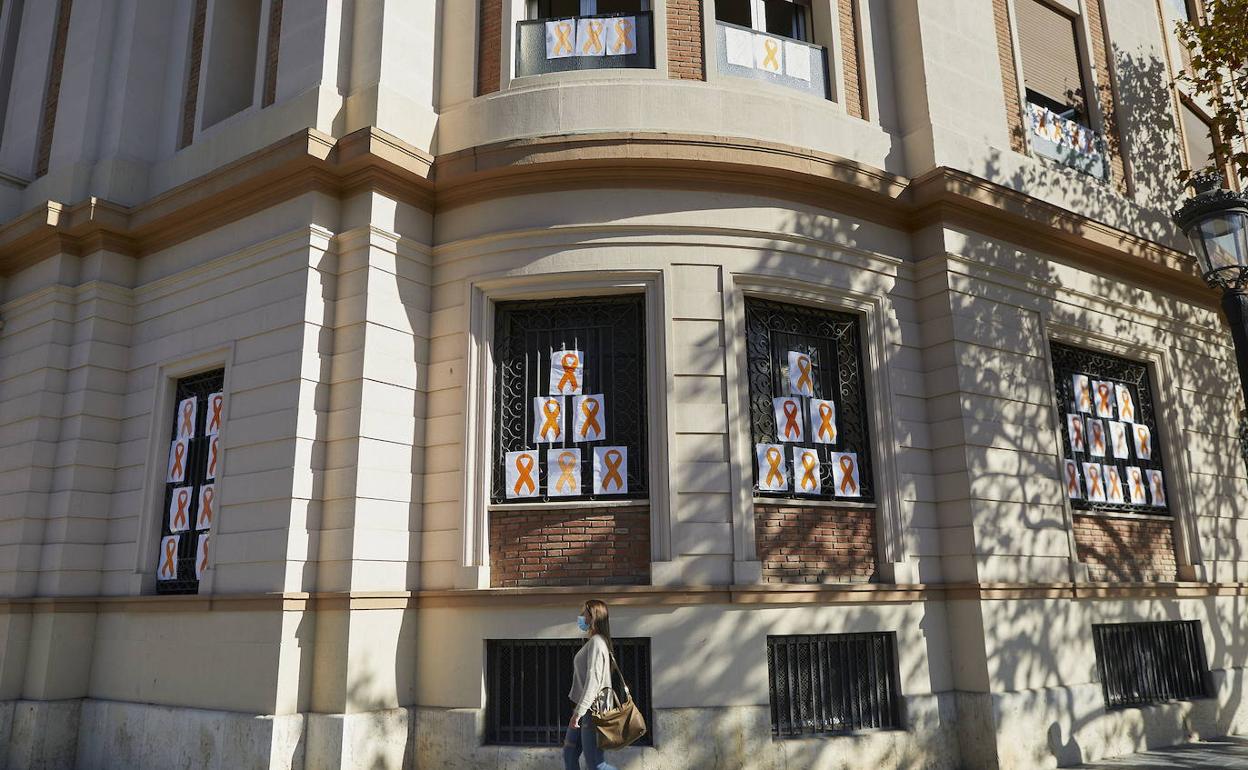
x=596 y=612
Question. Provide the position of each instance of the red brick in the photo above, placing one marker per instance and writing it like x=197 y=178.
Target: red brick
x=569 y=547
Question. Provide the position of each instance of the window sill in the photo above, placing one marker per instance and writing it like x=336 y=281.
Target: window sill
x=797 y=501
x=571 y=504
x=1122 y=515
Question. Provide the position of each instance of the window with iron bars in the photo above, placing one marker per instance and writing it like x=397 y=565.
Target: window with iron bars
x=1133 y=376
x=833 y=342
x=610 y=333
x=833 y=683
x=196 y=459
x=1142 y=663
x=527 y=685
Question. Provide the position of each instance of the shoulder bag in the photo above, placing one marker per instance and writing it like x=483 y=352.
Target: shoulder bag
x=619 y=725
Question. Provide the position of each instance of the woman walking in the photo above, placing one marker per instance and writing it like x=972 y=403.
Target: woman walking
x=591 y=674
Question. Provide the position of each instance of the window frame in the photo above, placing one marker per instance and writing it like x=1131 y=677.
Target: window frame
x=1085 y=111
x=803 y=27
x=533 y=9
x=1117 y=659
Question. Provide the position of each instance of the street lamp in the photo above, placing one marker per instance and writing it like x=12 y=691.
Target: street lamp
x=1215 y=220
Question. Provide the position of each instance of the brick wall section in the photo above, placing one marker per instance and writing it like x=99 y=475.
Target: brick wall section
x=1105 y=92
x=1009 y=75
x=195 y=58
x=815 y=544
x=1125 y=550
x=52 y=93
x=684 y=40
x=850 y=59
x=587 y=546
x=271 y=48
x=489 y=33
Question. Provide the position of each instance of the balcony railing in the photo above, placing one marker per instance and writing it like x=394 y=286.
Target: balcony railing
x=607 y=41
x=1065 y=141
x=747 y=53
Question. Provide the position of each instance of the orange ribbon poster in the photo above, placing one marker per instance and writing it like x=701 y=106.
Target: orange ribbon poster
x=1103 y=398
x=212 y=423
x=621 y=39
x=801 y=374
x=178 y=452
x=547 y=419
x=1073 y=490
x=1118 y=440
x=563 y=472
x=1096 y=485
x=567 y=369
x=1126 y=404
x=560 y=38
x=1157 y=483
x=201 y=557
x=610 y=470
x=788 y=419
x=806 y=475
x=589 y=415
x=1074 y=427
x=186 y=418
x=167 y=558
x=822 y=421
x=773 y=471
x=520 y=474
x=214 y=458
x=207 y=506
x=1136 y=490
x=767 y=53
x=1113 y=484
x=845 y=474
x=590 y=37
x=180 y=509
x=1083 y=393
x=1143 y=441
x=1094 y=433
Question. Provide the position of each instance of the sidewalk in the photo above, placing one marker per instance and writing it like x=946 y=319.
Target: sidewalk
x=1229 y=752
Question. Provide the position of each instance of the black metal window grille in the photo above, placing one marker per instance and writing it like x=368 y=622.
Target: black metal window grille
x=833 y=683
x=1143 y=663
x=611 y=333
x=833 y=342
x=199 y=386
x=527 y=685
x=1069 y=361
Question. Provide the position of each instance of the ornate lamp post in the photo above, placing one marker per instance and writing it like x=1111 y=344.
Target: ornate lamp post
x=1215 y=220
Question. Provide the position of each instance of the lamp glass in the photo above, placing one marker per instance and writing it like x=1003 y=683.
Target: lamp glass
x=1221 y=241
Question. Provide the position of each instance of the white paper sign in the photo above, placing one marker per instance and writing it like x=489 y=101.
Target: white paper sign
x=178 y=459
x=610 y=470
x=167 y=558
x=739 y=45
x=806 y=476
x=589 y=418
x=822 y=421
x=768 y=54
x=1113 y=484
x=801 y=374
x=1073 y=489
x=186 y=418
x=773 y=471
x=1126 y=404
x=1157 y=485
x=1137 y=489
x=796 y=60
x=520 y=472
x=563 y=472
x=1074 y=427
x=180 y=509
x=214 y=458
x=560 y=38
x=566 y=370
x=1083 y=393
x=547 y=419
x=591 y=37
x=845 y=475
x=201 y=557
x=207 y=510
x=1095 y=484
x=1095 y=433
x=216 y=402
x=1143 y=440
x=788 y=411
x=1118 y=439
x=621 y=35
x=1103 y=397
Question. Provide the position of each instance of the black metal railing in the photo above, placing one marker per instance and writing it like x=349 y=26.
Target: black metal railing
x=1142 y=663
x=527 y=684
x=531 y=58
x=833 y=683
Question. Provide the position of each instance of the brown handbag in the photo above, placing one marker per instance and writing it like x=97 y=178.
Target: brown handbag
x=619 y=725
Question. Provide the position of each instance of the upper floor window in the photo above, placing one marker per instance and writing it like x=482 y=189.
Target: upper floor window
x=562 y=35
x=807 y=403
x=771 y=40
x=570 y=400
x=1197 y=136
x=775 y=17
x=555 y=9
x=1052 y=72
x=230 y=71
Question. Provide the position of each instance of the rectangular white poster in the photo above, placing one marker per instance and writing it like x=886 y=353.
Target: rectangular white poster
x=214 y=458
x=591 y=37
x=1157 y=484
x=167 y=558
x=806 y=480
x=186 y=418
x=796 y=60
x=520 y=474
x=178 y=459
x=1103 y=398
x=1113 y=484
x=773 y=471
x=1119 y=442
x=566 y=369
x=1126 y=404
x=768 y=54
x=207 y=506
x=547 y=419
x=216 y=402
x=1074 y=427
x=589 y=415
x=560 y=38
x=1083 y=393
x=180 y=509
x=1073 y=490
x=201 y=557
x=822 y=421
x=1143 y=441
x=621 y=35
x=1095 y=484
x=1094 y=432
x=788 y=411
x=563 y=472
x=1137 y=491
x=610 y=470
x=845 y=474
x=801 y=375
x=740 y=47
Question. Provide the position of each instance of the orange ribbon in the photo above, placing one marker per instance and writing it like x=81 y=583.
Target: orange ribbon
x=809 y=463
x=1072 y=480
x=1126 y=407
x=203 y=563
x=179 y=518
x=562 y=43
x=212 y=459
x=826 y=428
x=792 y=429
x=1115 y=485
x=205 y=512
x=169 y=568
x=623 y=28
x=1098 y=436
x=593 y=45
x=847 y=475
x=589 y=408
x=774 y=458
x=772 y=48
x=1102 y=390
x=178 y=451
x=1141 y=440
x=1076 y=435
x=803 y=369
x=567 y=472
x=1094 y=482
x=551 y=411
x=188 y=426
x=1137 y=486
x=569 y=363
x=1159 y=491
x=214 y=422
x=613 y=458
x=524 y=478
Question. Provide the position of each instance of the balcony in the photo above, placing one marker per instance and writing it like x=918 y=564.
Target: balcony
x=1065 y=141
x=746 y=53
x=606 y=41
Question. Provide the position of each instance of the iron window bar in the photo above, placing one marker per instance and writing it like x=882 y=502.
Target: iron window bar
x=833 y=683
x=1145 y=663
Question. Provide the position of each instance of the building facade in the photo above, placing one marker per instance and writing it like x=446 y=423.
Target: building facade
x=845 y=348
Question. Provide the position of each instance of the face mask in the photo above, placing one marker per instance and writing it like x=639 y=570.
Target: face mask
x=581 y=624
